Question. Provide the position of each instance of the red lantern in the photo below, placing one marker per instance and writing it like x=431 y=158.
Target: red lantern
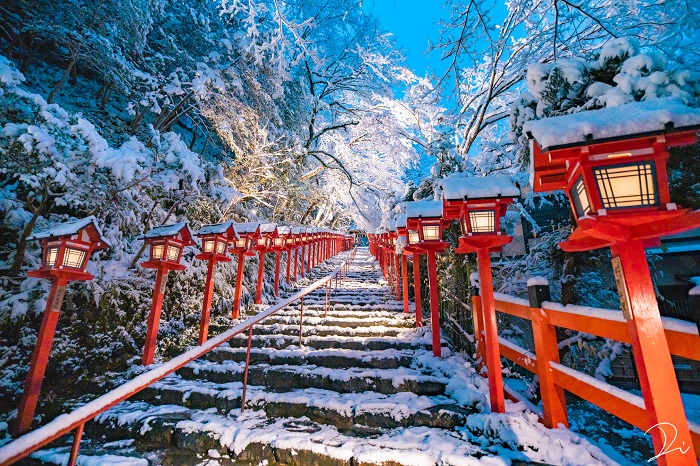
x=479 y=203
x=166 y=245
x=612 y=164
x=66 y=249
x=425 y=218
x=248 y=235
x=215 y=240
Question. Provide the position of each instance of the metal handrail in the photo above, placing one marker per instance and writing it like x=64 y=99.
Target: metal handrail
x=34 y=440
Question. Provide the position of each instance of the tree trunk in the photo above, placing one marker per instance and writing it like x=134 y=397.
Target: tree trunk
x=66 y=74
x=568 y=279
x=104 y=95
x=139 y=117
x=22 y=243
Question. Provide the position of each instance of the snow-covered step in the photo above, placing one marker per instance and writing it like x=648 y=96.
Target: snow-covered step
x=334 y=358
x=332 y=341
x=327 y=330
x=344 y=410
x=285 y=377
x=344 y=312
x=344 y=322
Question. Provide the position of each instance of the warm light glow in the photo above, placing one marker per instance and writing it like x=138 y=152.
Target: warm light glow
x=241 y=243
x=157 y=251
x=482 y=221
x=51 y=256
x=413 y=237
x=290 y=240
x=220 y=246
x=431 y=232
x=627 y=185
x=262 y=241
x=279 y=241
x=580 y=198
x=173 y=253
x=208 y=245
x=73 y=258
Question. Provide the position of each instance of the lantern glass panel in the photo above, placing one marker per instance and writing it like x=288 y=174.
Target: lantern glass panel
x=262 y=241
x=157 y=251
x=580 y=198
x=290 y=240
x=431 y=232
x=173 y=253
x=51 y=255
x=241 y=243
x=279 y=241
x=220 y=246
x=74 y=258
x=413 y=237
x=208 y=245
x=482 y=221
x=626 y=185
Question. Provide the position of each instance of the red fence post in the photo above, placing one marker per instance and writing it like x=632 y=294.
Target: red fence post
x=478 y=321
x=416 y=289
x=493 y=356
x=40 y=357
x=278 y=258
x=149 y=349
x=657 y=376
x=261 y=276
x=206 y=304
x=239 y=286
x=546 y=350
x=434 y=304
x=404 y=276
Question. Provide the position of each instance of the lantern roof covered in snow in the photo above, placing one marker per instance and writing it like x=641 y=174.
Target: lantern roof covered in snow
x=297 y=230
x=400 y=220
x=284 y=230
x=87 y=225
x=247 y=228
x=460 y=187
x=219 y=229
x=268 y=228
x=635 y=119
x=424 y=209
x=180 y=230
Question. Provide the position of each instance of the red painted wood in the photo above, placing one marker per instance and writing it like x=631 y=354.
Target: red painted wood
x=40 y=358
x=493 y=357
x=149 y=349
x=296 y=263
x=247 y=366
x=261 y=276
x=416 y=289
x=206 y=304
x=657 y=377
x=240 y=271
x=547 y=349
x=75 y=449
x=289 y=263
x=301 y=259
x=478 y=318
x=404 y=276
x=434 y=303
x=278 y=258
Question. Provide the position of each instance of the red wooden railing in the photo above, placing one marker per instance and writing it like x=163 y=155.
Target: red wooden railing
x=554 y=377
x=65 y=423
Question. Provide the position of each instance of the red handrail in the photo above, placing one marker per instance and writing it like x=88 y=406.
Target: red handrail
x=34 y=440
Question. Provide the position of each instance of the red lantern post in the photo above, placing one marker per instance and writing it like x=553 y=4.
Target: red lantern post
x=426 y=218
x=279 y=244
x=268 y=233
x=166 y=245
x=479 y=203
x=215 y=240
x=401 y=243
x=612 y=164
x=413 y=249
x=66 y=250
x=248 y=234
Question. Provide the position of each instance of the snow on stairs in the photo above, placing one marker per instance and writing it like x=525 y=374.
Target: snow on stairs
x=362 y=389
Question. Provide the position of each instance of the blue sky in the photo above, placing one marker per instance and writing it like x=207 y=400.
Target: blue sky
x=414 y=23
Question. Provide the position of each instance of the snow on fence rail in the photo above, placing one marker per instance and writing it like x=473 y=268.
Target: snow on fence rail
x=32 y=441
x=682 y=337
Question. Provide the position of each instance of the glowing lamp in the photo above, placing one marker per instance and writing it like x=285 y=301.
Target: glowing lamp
x=248 y=236
x=215 y=239
x=611 y=163
x=166 y=245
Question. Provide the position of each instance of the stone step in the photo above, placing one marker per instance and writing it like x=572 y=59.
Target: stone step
x=326 y=330
x=352 y=380
x=344 y=322
x=368 y=409
x=320 y=342
x=333 y=358
x=342 y=312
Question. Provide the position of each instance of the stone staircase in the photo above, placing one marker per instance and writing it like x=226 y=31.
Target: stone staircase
x=362 y=389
